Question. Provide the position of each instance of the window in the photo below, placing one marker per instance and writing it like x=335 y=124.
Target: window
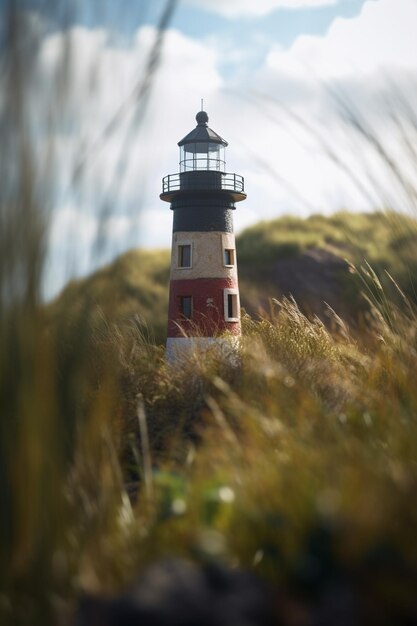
x=184 y=255
x=231 y=305
x=186 y=306
x=229 y=256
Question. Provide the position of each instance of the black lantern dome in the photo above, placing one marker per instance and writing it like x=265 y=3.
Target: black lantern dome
x=202 y=166
x=202 y=149
x=202 y=117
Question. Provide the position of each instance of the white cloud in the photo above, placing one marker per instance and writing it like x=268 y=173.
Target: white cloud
x=382 y=37
x=72 y=236
x=70 y=224
x=237 y=8
x=156 y=226
x=366 y=66
x=122 y=169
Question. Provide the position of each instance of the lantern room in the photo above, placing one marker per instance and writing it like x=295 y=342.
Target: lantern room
x=202 y=149
x=202 y=168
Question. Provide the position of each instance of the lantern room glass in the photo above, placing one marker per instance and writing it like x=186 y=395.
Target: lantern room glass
x=202 y=156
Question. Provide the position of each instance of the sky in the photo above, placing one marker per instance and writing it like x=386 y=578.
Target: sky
x=290 y=84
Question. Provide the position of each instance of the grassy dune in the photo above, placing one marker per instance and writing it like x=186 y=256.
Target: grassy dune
x=135 y=285
x=298 y=461
x=287 y=256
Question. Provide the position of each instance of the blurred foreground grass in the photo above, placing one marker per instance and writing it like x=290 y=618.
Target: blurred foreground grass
x=299 y=462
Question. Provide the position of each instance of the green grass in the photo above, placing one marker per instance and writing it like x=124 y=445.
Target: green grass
x=303 y=451
x=386 y=240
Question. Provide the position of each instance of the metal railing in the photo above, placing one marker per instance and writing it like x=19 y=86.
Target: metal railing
x=203 y=180
x=202 y=164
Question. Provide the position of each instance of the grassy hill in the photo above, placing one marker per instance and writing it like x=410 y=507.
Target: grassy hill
x=305 y=258
x=134 y=285
x=296 y=462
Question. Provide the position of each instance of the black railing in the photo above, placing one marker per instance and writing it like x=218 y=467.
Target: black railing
x=203 y=180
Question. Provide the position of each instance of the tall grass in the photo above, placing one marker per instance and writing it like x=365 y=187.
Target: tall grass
x=301 y=464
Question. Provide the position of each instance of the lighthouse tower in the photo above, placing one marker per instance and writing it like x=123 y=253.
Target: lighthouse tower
x=204 y=292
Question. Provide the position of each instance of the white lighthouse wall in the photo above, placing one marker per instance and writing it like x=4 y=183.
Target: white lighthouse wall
x=207 y=254
x=184 y=347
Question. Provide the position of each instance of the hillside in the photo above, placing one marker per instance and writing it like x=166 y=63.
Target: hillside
x=135 y=284
x=305 y=258
x=295 y=463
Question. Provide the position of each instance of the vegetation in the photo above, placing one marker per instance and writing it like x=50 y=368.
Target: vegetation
x=134 y=286
x=298 y=460
x=273 y=262
x=374 y=236
x=305 y=257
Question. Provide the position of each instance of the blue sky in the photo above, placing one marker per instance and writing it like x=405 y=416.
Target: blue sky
x=281 y=26
x=124 y=16
x=256 y=34
x=268 y=75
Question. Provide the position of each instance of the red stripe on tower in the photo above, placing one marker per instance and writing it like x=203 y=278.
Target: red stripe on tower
x=204 y=294
x=203 y=307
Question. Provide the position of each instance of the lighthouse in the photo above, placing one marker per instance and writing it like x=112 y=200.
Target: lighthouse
x=204 y=307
